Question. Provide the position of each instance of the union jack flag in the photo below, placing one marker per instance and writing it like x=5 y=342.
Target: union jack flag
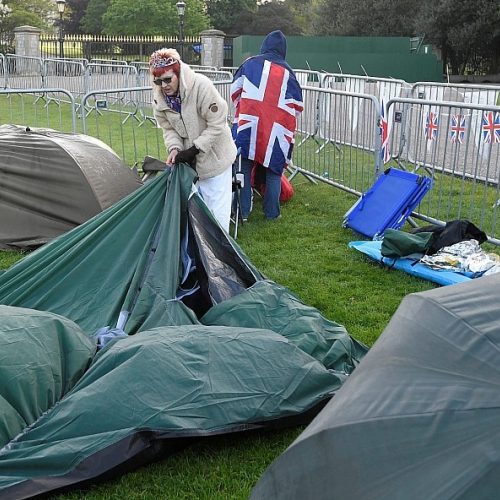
x=491 y=127
x=457 y=129
x=385 y=154
x=267 y=100
x=431 y=126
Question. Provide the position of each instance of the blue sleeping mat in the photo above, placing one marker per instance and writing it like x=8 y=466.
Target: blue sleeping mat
x=388 y=203
x=442 y=277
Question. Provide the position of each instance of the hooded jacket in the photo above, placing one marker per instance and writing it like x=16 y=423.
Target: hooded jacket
x=252 y=107
x=274 y=49
x=202 y=122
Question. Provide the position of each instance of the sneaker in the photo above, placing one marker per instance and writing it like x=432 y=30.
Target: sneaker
x=273 y=218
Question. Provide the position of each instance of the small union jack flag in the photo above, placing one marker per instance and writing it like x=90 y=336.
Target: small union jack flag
x=491 y=127
x=385 y=154
x=431 y=126
x=457 y=129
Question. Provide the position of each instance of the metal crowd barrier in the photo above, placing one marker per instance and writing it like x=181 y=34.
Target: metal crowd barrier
x=143 y=76
x=199 y=67
x=224 y=88
x=456 y=92
x=107 y=62
x=70 y=72
x=29 y=107
x=108 y=76
x=338 y=140
x=216 y=76
x=24 y=72
x=334 y=145
x=112 y=76
x=308 y=77
x=382 y=88
x=458 y=144
x=231 y=69
x=3 y=71
x=131 y=139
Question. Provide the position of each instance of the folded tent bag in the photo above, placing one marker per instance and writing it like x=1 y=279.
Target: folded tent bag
x=400 y=243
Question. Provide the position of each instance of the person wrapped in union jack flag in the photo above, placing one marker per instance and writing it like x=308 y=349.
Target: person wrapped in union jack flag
x=193 y=117
x=267 y=99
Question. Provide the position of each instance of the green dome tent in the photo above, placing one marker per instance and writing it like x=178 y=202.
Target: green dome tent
x=419 y=419
x=204 y=343
x=52 y=181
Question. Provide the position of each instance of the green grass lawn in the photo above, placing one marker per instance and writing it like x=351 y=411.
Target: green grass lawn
x=306 y=250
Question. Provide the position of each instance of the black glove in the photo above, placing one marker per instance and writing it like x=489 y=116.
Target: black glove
x=187 y=156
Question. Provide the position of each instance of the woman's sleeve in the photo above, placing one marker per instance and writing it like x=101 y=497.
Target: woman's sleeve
x=171 y=138
x=213 y=109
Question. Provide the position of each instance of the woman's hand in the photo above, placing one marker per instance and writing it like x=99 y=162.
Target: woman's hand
x=188 y=156
x=171 y=157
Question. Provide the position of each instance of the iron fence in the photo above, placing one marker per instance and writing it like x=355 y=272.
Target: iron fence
x=118 y=48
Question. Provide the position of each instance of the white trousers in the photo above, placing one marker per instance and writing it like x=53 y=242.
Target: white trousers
x=217 y=193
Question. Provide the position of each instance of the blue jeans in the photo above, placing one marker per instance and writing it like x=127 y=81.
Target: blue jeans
x=271 y=196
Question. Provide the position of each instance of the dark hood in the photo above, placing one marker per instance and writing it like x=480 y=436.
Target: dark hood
x=274 y=43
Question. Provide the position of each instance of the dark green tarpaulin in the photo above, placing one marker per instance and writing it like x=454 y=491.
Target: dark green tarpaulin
x=42 y=356
x=268 y=305
x=239 y=353
x=89 y=273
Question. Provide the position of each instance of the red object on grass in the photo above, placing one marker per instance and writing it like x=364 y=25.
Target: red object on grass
x=258 y=181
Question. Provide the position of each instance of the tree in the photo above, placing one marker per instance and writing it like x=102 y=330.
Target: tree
x=303 y=13
x=139 y=18
x=75 y=10
x=467 y=33
x=91 y=22
x=5 y=12
x=38 y=13
x=365 y=17
x=231 y=16
x=276 y=15
x=152 y=17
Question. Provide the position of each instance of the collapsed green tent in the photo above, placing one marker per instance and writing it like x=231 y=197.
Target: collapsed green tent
x=419 y=419
x=203 y=344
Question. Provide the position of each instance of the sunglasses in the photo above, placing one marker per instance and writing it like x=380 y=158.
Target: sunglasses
x=160 y=81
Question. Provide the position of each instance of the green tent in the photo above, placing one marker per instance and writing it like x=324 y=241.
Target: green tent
x=420 y=417
x=204 y=343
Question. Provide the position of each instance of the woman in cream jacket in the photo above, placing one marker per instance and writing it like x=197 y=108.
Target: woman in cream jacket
x=193 y=117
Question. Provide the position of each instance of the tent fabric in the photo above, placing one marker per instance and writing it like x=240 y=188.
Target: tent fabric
x=419 y=418
x=442 y=277
x=52 y=181
x=268 y=305
x=89 y=273
x=170 y=382
x=174 y=378
x=42 y=356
